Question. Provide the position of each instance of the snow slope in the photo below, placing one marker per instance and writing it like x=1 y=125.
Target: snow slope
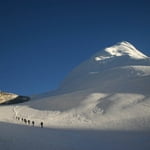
x=105 y=63
x=18 y=137
x=103 y=103
x=110 y=93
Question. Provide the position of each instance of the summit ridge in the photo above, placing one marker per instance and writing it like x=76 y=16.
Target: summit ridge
x=120 y=49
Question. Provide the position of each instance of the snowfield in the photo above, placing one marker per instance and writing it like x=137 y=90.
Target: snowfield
x=104 y=103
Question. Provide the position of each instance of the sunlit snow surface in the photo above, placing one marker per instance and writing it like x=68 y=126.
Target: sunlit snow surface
x=104 y=103
x=121 y=49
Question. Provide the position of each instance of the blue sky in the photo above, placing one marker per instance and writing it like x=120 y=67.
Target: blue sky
x=42 y=41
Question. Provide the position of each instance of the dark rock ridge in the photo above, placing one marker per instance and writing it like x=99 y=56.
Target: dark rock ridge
x=10 y=98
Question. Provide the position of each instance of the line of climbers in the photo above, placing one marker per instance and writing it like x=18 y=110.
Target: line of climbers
x=28 y=121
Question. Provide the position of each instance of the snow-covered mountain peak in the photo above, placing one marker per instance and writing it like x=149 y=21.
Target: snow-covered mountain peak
x=120 y=49
x=109 y=63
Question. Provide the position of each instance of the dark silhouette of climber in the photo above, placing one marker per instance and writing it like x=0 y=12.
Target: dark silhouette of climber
x=32 y=123
x=25 y=121
x=28 y=122
x=41 y=124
